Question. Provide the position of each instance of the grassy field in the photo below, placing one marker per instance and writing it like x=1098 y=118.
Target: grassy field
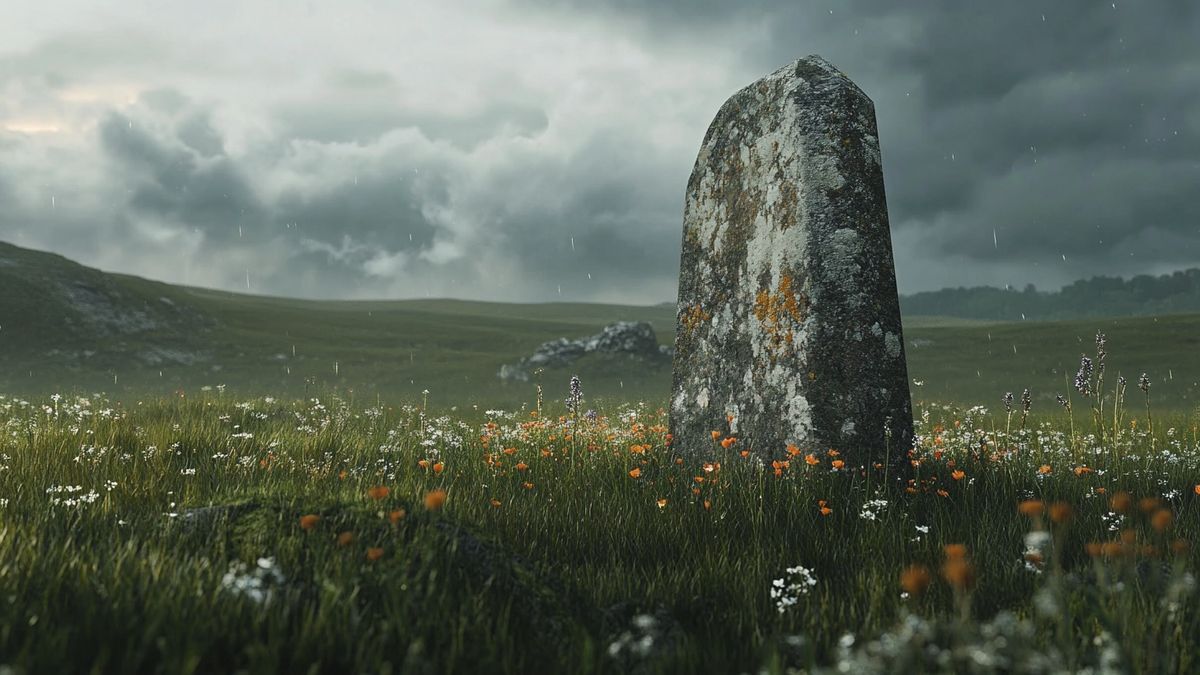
x=67 y=328
x=214 y=533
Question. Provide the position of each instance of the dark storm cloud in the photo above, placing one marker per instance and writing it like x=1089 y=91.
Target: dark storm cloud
x=1067 y=128
x=507 y=152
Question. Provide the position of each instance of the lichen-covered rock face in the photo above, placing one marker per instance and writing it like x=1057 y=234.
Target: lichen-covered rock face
x=788 y=327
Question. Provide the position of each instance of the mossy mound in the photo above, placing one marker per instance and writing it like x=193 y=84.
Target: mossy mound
x=416 y=569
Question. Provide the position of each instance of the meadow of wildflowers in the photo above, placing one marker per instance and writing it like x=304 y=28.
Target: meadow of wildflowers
x=211 y=534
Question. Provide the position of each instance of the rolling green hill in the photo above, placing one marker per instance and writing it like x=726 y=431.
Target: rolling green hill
x=65 y=327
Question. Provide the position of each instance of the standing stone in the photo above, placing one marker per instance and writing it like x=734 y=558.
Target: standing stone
x=788 y=317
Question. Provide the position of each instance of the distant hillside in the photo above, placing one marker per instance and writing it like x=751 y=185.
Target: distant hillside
x=1101 y=296
x=69 y=328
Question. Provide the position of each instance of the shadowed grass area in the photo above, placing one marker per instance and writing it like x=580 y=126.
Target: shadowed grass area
x=212 y=534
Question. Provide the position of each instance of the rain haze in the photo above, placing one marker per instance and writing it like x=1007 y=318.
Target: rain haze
x=539 y=151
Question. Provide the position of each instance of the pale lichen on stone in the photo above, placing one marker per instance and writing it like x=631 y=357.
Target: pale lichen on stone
x=788 y=315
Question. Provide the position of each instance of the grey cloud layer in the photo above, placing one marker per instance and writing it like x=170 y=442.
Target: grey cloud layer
x=1009 y=142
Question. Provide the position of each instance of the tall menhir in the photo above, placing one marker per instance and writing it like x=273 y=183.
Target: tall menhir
x=788 y=327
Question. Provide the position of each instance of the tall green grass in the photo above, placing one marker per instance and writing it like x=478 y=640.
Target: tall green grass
x=568 y=544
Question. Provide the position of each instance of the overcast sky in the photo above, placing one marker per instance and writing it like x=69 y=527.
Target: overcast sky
x=534 y=150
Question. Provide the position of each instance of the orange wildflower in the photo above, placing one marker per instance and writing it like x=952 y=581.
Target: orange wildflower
x=943 y=493
x=635 y=472
x=522 y=466
x=1197 y=489
x=838 y=464
x=833 y=453
x=955 y=550
x=707 y=504
x=396 y=516
x=1044 y=469
x=423 y=463
x=698 y=479
x=662 y=503
x=792 y=450
x=716 y=435
x=695 y=490
x=915 y=579
x=378 y=492
x=728 y=442
x=744 y=453
x=374 y=553
x=309 y=522
x=437 y=468
x=1148 y=504
x=1161 y=520
x=1093 y=548
x=822 y=508
x=1121 y=502
x=1061 y=512
x=1112 y=549
x=342 y=475
x=510 y=451
x=1080 y=470
x=345 y=539
x=435 y=499
x=958 y=474
x=527 y=485
x=496 y=503
x=1031 y=507
x=811 y=460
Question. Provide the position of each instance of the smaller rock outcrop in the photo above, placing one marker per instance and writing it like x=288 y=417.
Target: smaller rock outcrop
x=633 y=339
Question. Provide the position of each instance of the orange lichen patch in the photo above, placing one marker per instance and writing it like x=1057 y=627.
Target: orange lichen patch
x=694 y=316
x=780 y=314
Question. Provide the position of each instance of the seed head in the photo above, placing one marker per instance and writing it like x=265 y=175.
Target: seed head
x=1008 y=400
x=1144 y=383
x=1083 y=378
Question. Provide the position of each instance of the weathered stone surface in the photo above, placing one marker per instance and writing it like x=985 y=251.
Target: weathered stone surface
x=788 y=316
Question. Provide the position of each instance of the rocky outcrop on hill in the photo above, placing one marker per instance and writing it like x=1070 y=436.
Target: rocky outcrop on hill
x=635 y=340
